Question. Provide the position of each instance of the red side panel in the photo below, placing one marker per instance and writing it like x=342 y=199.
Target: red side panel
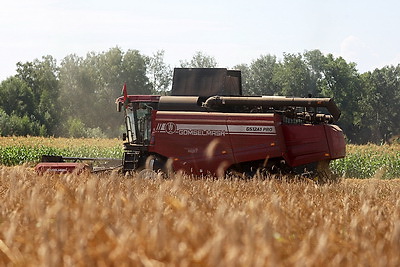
x=202 y=143
x=255 y=136
x=197 y=143
x=336 y=142
x=311 y=143
x=60 y=167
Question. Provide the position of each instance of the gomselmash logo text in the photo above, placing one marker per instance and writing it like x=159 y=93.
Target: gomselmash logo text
x=213 y=130
x=191 y=129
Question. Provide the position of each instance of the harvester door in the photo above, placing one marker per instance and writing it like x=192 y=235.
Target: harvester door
x=130 y=122
x=138 y=124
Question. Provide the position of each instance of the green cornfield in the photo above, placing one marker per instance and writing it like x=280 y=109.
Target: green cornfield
x=362 y=161
x=369 y=161
x=28 y=150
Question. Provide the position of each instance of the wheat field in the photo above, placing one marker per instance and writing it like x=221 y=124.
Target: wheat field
x=112 y=220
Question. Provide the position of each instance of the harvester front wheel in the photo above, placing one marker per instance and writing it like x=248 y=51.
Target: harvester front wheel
x=154 y=167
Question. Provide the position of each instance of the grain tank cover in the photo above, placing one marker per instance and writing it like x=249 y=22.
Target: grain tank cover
x=206 y=82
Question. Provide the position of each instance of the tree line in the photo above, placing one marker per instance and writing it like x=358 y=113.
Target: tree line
x=76 y=97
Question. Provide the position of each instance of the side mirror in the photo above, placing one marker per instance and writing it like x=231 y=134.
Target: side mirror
x=124 y=137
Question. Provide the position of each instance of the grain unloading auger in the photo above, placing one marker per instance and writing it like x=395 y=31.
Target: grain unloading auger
x=287 y=106
x=206 y=127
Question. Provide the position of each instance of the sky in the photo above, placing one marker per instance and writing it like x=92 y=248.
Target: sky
x=233 y=32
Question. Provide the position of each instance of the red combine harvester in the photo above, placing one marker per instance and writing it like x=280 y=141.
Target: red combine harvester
x=207 y=127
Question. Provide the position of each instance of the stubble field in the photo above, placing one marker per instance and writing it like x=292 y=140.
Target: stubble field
x=112 y=220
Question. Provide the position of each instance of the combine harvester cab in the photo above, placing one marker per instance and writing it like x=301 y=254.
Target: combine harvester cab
x=206 y=127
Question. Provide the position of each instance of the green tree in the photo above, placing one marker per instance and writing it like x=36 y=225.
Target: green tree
x=343 y=83
x=19 y=125
x=89 y=87
x=316 y=62
x=245 y=76
x=4 y=123
x=42 y=78
x=17 y=109
x=380 y=105
x=75 y=128
x=77 y=90
x=109 y=83
x=260 y=76
x=16 y=97
x=311 y=73
x=199 y=60
x=134 y=70
x=292 y=76
x=159 y=73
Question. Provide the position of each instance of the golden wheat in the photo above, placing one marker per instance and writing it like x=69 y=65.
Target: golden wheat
x=111 y=220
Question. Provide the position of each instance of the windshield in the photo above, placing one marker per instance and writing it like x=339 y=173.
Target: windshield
x=144 y=124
